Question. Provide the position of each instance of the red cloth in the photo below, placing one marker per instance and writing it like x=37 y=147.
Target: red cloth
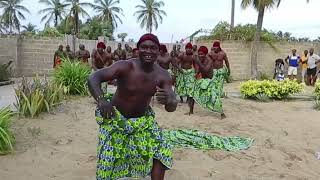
x=203 y=49
x=216 y=44
x=150 y=37
x=101 y=45
x=188 y=46
x=163 y=48
x=135 y=49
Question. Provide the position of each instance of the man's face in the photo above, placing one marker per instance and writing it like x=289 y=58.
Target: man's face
x=215 y=49
x=306 y=52
x=119 y=46
x=294 y=51
x=109 y=49
x=68 y=48
x=178 y=47
x=194 y=47
x=148 y=51
x=81 y=47
x=126 y=46
x=201 y=55
x=311 y=51
x=60 y=48
x=135 y=54
x=100 y=50
x=189 y=50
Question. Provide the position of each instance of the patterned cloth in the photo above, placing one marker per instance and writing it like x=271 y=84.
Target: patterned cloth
x=127 y=146
x=185 y=82
x=208 y=92
x=185 y=138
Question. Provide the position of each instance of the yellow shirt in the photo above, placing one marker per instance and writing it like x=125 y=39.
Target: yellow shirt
x=304 y=60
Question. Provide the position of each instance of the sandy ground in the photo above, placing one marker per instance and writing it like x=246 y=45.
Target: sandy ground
x=286 y=139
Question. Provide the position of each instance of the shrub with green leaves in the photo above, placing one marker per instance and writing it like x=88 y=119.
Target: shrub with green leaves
x=272 y=89
x=36 y=96
x=317 y=90
x=6 y=137
x=73 y=76
x=5 y=72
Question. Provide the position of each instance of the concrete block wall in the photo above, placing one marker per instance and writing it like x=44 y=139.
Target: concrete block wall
x=33 y=56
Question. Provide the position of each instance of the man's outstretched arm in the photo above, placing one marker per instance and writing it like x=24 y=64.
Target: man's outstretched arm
x=165 y=94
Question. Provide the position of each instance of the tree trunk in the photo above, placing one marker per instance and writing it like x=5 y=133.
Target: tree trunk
x=76 y=18
x=55 y=21
x=232 y=13
x=255 y=45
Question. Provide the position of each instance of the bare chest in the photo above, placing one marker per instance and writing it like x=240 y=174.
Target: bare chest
x=140 y=83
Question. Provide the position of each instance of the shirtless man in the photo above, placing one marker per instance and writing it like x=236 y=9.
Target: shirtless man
x=100 y=59
x=219 y=58
x=135 y=53
x=195 y=49
x=207 y=96
x=129 y=138
x=128 y=51
x=164 y=58
x=186 y=76
x=118 y=53
x=83 y=55
x=69 y=53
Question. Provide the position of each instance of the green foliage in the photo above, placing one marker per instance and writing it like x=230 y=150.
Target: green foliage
x=36 y=96
x=73 y=76
x=317 y=90
x=264 y=76
x=5 y=71
x=262 y=98
x=223 y=31
x=6 y=137
x=317 y=104
x=50 y=32
x=149 y=14
x=272 y=89
x=94 y=28
x=55 y=11
x=108 y=11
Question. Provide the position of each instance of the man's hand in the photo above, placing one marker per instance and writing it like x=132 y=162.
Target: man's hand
x=162 y=96
x=106 y=109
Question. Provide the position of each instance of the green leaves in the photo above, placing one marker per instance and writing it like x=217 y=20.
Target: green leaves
x=272 y=89
x=73 y=76
x=6 y=137
x=36 y=96
x=5 y=71
x=317 y=91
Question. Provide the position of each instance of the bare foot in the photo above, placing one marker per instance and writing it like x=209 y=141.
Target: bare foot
x=188 y=113
x=223 y=116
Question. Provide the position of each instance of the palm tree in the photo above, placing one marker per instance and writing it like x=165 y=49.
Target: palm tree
x=55 y=11
x=77 y=8
x=30 y=28
x=108 y=11
x=12 y=14
x=149 y=13
x=232 y=13
x=260 y=6
x=122 y=36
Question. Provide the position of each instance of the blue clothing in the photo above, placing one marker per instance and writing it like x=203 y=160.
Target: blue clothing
x=294 y=61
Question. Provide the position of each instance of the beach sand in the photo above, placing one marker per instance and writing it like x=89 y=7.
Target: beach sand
x=286 y=137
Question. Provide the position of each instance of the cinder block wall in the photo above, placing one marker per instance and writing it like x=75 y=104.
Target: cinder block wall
x=35 y=56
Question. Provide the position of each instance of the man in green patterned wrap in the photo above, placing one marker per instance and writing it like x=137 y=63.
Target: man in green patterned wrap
x=131 y=143
x=186 y=76
x=220 y=72
x=206 y=92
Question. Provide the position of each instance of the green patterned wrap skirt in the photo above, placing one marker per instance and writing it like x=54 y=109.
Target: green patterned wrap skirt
x=127 y=146
x=185 y=82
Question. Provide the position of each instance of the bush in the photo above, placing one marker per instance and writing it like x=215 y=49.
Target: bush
x=317 y=91
x=36 y=96
x=73 y=76
x=50 y=32
x=272 y=89
x=317 y=104
x=5 y=72
x=6 y=137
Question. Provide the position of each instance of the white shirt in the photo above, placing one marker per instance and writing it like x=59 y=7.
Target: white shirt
x=312 y=61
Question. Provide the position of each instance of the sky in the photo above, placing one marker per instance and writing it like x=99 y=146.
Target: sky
x=185 y=17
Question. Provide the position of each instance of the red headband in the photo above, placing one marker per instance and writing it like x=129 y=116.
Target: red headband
x=216 y=44
x=150 y=37
x=189 y=46
x=101 y=45
x=203 y=49
x=135 y=49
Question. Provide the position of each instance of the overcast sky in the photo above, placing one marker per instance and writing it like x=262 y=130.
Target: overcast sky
x=185 y=17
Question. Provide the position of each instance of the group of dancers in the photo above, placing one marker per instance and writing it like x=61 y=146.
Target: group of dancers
x=131 y=144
